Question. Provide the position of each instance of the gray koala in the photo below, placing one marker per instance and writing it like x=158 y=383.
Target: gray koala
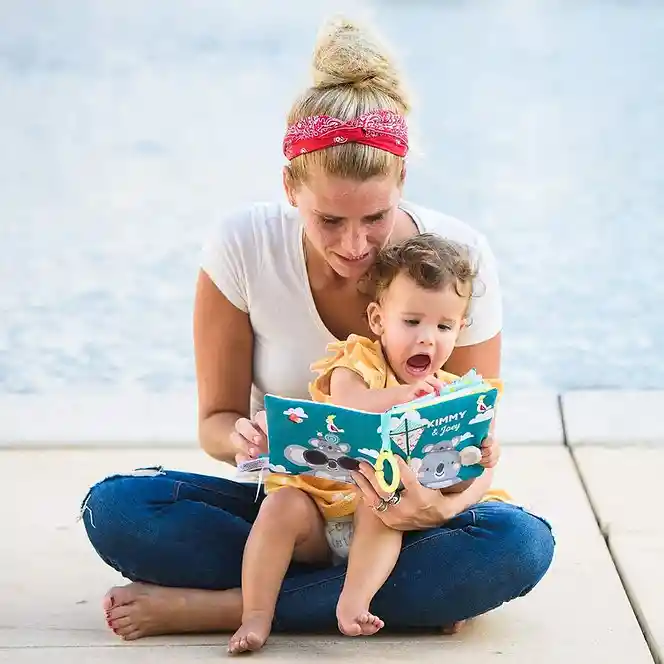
x=440 y=465
x=328 y=458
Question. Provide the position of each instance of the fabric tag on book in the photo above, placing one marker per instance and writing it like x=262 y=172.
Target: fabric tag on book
x=252 y=465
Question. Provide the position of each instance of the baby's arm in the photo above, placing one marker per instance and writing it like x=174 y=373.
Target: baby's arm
x=347 y=388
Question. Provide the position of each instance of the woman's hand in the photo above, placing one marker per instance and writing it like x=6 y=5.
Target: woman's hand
x=418 y=508
x=249 y=438
x=490 y=452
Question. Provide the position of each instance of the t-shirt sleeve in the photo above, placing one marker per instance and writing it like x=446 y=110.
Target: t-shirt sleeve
x=486 y=308
x=224 y=257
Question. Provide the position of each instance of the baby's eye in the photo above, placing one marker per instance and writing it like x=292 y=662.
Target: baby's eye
x=411 y=321
x=444 y=328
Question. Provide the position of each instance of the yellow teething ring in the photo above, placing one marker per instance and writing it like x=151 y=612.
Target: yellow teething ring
x=383 y=457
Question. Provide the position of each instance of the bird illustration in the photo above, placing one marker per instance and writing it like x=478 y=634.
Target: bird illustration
x=331 y=426
x=481 y=406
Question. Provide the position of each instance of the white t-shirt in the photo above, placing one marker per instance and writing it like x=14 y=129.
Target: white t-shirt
x=255 y=258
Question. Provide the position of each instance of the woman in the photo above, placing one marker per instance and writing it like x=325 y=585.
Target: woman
x=277 y=284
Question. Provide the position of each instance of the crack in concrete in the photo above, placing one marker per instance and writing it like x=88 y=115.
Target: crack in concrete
x=604 y=531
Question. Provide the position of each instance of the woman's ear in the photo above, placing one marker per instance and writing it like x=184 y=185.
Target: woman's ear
x=289 y=185
x=375 y=317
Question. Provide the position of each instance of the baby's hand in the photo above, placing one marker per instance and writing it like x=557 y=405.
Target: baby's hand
x=428 y=385
x=490 y=452
x=395 y=396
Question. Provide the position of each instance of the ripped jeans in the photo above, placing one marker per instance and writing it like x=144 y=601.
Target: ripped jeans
x=187 y=530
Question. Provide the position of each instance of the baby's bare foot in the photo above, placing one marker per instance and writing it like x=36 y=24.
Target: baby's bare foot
x=355 y=619
x=252 y=634
x=140 y=609
x=454 y=628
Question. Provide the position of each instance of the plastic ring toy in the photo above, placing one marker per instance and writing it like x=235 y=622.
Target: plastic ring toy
x=383 y=457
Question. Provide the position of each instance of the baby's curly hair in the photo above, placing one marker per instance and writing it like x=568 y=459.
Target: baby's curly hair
x=431 y=261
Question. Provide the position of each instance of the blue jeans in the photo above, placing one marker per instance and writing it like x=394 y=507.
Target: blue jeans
x=187 y=530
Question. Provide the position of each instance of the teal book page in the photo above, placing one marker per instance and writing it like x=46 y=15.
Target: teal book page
x=323 y=440
x=444 y=436
x=440 y=437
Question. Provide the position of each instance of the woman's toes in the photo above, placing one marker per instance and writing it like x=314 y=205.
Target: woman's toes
x=108 y=601
x=119 y=595
x=121 y=623
x=125 y=630
x=121 y=611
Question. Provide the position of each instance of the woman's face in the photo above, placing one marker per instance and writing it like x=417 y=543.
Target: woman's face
x=347 y=222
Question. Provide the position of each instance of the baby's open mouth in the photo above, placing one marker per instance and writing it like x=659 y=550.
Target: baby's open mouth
x=419 y=364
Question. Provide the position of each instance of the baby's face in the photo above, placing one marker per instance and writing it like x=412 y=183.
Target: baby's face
x=418 y=328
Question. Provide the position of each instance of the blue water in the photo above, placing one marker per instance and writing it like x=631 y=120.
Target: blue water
x=127 y=128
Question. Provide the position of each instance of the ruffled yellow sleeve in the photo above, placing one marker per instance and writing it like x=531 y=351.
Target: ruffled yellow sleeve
x=358 y=354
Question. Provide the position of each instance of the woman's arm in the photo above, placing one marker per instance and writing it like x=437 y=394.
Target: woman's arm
x=223 y=345
x=484 y=357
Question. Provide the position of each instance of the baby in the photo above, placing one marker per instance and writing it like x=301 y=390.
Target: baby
x=422 y=291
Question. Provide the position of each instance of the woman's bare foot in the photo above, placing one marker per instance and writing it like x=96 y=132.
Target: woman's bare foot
x=355 y=620
x=252 y=634
x=140 y=609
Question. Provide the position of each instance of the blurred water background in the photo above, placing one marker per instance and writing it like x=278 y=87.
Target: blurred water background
x=127 y=128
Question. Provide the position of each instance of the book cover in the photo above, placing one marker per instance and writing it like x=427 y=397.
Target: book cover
x=438 y=436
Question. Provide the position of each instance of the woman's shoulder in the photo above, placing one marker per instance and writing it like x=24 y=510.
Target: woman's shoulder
x=258 y=221
x=246 y=242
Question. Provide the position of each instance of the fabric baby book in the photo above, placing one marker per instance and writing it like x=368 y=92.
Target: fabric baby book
x=439 y=436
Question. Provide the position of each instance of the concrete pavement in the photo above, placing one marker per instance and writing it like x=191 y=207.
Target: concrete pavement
x=603 y=576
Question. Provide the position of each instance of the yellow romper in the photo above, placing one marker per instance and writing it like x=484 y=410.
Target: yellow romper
x=337 y=500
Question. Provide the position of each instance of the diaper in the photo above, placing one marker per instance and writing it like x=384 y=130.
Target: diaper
x=339 y=533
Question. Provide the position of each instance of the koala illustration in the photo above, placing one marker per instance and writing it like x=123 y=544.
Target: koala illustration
x=439 y=466
x=328 y=458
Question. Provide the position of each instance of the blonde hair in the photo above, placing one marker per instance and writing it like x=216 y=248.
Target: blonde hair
x=352 y=74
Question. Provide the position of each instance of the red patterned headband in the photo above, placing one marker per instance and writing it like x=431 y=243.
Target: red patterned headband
x=381 y=129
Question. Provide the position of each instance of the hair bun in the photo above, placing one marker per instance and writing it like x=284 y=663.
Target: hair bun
x=347 y=55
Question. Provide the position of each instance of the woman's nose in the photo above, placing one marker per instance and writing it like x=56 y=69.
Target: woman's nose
x=354 y=243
